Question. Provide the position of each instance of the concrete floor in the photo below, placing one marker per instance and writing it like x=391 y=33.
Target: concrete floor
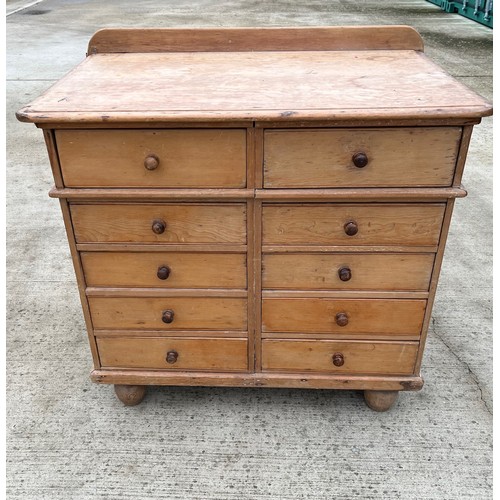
x=70 y=439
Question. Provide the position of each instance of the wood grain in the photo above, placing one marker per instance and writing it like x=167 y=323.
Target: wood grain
x=80 y=278
x=395 y=358
x=365 y=316
x=186 y=223
x=209 y=158
x=291 y=380
x=323 y=224
x=396 y=157
x=368 y=271
x=191 y=313
x=193 y=354
x=252 y=39
x=187 y=270
x=429 y=194
x=292 y=86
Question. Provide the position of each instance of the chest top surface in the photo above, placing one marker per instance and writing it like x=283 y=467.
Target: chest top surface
x=255 y=74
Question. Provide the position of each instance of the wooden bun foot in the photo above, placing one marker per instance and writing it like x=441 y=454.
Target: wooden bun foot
x=130 y=395
x=380 y=400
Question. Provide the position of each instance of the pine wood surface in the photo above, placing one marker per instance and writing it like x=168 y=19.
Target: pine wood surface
x=186 y=270
x=253 y=132
x=252 y=39
x=190 y=313
x=185 y=223
x=208 y=158
x=324 y=158
x=293 y=84
x=305 y=380
x=396 y=358
x=365 y=316
x=323 y=224
x=367 y=271
x=193 y=354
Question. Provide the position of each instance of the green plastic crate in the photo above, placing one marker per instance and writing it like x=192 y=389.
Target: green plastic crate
x=477 y=10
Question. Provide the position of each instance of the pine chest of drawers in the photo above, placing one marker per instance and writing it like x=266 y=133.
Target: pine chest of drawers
x=257 y=207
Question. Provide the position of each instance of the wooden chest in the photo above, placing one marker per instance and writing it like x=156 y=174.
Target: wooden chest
x=257 y=207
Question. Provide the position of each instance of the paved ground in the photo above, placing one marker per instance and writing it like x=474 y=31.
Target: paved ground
x=70 y=439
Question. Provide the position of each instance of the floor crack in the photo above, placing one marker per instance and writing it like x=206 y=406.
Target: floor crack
x=472 y=375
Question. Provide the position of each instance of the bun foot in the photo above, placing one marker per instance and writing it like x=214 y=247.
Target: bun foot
x=130 y=395
x=380 y=400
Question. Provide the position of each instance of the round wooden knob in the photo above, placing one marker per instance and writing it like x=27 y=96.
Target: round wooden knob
x=338 y=359
x=167 y=316
x=151 y=162
x=351 y=228
x=341 y=319
x=172 y=357
x=345 y=274
x=360 y=160
x=159 y=226
x=163 y=272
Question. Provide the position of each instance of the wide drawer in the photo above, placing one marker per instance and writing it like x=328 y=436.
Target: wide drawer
x=391 y=358
x=173 y=353
x=347 y=271
x=343 y=316
x=159 y=223
x=165 y=269
x=352 y=224
x=153 y=158
x=169 y=313
x=360 y=157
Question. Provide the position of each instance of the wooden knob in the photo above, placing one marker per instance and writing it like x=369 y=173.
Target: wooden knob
x=351 y=228
x=167 y=316
x=172 y=357
x=360 y=160
x=345 y=274
x=341 y=319
x=151 y=162
x=159 y=226
x=338 y=359
x=163 y=272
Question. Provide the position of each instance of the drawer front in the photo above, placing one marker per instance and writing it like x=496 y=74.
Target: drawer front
x=159 y=223
x=347 y=271
x=393 y=157
x=391 y=358
x=343 y=316
x=173 y=353
x=165 y=269
x=153 y=158
x=349 y=224
x=181 y=313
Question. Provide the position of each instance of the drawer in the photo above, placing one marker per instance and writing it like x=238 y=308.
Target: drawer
x=394 y=157
x=153 y=158
x=347 y=271
x=159 y=223
x=391 y=358
x=352 y=224
x=343 y=316
x=165 y=269
x=182 y=313
x=173 y=353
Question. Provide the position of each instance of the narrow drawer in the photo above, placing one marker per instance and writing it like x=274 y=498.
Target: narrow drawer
x=165 y=269
x=173 y=353
x=347 y=271
x=391 y=358
x=169 y=313
x=343 y=316
x=352 y=224
x=397 y=157
x=153 y=158
x=159 y=223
